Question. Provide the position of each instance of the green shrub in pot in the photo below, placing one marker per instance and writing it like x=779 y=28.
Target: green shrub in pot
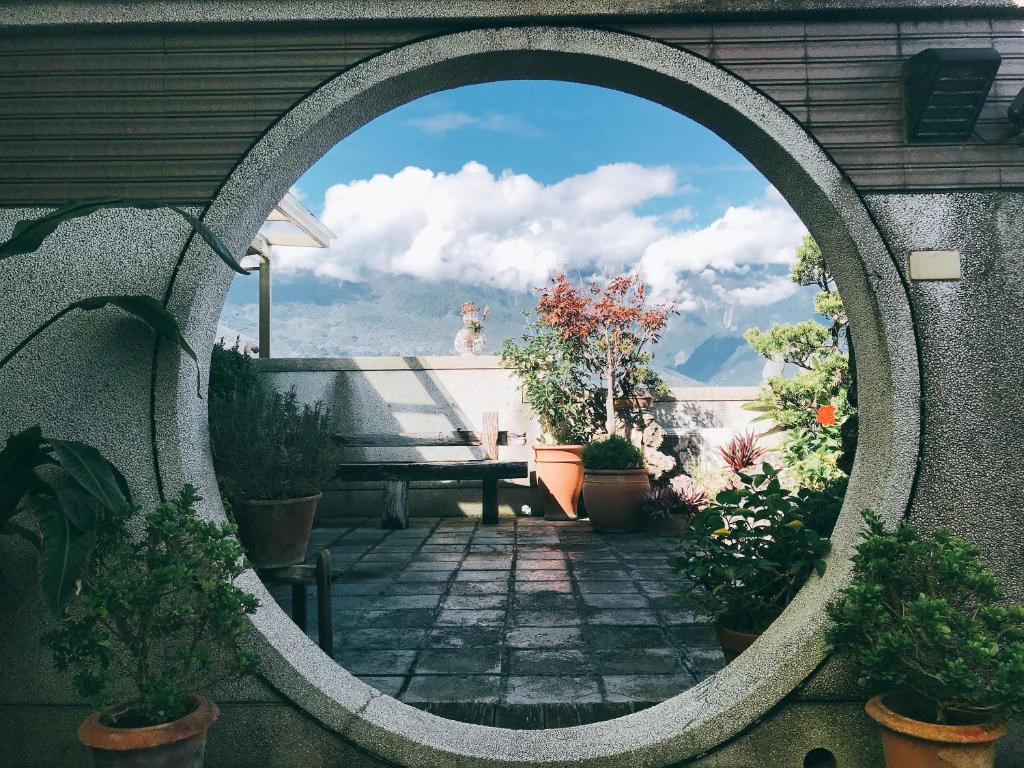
x=614 y=485
x=748 y=553
x=270 y=454
x=157 y=621
x=929 y=630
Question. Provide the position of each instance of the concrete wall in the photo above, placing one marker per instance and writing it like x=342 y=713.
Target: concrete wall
x=384 y=395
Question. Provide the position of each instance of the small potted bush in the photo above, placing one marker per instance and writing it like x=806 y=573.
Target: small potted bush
x=928 y=629
x=156 y=622
x=748 y=553
x=614 y=485
x=670 y=508
x=554 y=383
x=270 y=454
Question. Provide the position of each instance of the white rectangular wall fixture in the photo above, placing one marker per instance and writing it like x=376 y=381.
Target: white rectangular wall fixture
x=934 y=265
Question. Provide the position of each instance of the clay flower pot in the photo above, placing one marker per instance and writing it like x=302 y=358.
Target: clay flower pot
x=613 y=499
x=276 y=533
x=181 y=744
x=733 y=643
x=560 y=478
x=909 y=743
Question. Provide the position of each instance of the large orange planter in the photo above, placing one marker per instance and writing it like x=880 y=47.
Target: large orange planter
x=909 y=743
x=613 y=499
x=181 y=744
x=560 y=478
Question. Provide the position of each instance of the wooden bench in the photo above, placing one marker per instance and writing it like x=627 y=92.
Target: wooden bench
x=397 y=474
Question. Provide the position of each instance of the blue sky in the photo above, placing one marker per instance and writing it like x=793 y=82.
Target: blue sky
x=485 y=191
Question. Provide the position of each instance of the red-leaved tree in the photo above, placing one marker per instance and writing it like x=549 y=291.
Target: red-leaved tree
x=612 y=320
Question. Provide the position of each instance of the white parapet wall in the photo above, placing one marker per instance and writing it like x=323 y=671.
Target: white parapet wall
x=382 y=395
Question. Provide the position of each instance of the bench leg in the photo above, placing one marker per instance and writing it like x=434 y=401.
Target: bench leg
x=324 y=613
x=490 y=499
x=396 y=504
x=299 y=606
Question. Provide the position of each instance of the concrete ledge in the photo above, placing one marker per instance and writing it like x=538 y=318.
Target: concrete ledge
x=418 y=363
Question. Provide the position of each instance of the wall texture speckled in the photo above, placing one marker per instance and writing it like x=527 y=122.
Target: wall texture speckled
x=101 y=378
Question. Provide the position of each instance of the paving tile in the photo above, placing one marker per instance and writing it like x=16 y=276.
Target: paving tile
x=698 y=635
x=487 y=563
x=598 y=637
x=543 y=690
x=385 y=639
x=407 y=576
x=597 y=587
x=391 y=602
x=462 y=661
x=544 y=637
x=546 y=601
x=398 y=618
x=542 y=575
x=673 y=616
x=609 y=574
x=528 y=587
x=389 y=685
x=497 y=587
x=480 y=618
x=481 y=575
x=561 y=661
x=634 y=661
x=465 y=637
x=417 y=588
x=646 y=687
x=455 y=688
x=476 y=602
x=541 y=618
x=614 y=600
x=360 y=661
x=624 y=617
x=448 y=567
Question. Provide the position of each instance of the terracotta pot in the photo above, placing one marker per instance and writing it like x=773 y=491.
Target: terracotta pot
x=560 y=478
x=733 y=643
x=276 y=533
x=181 y=744
x=612 y=497
x=909 y=743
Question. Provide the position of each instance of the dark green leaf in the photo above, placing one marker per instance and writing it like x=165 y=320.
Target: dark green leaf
x=65 y=554
x=151 y=312
x=78 y=506
x=96 y=476
x=22 y=454
x=29 y=234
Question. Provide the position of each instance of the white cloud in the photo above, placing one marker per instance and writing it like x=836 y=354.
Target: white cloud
x=767 y=291
x=499 y=122
x=512 y=232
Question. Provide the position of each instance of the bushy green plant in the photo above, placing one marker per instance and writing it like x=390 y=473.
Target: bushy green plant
x=231 y=371
x=158 y=617
x=554 y=382
x=613 y=453
x=810 y=455
x=747 y=554
x=923 y=616
x=267 y=445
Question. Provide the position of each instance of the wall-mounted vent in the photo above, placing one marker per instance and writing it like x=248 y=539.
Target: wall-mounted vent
x=945 y=90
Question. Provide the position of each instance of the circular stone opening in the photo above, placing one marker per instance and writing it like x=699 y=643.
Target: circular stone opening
x=719 y=708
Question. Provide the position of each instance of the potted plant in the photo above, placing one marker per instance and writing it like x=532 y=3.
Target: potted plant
x=156 y=622
x=614 y=485
x=270 y=454
x=554 y=382
x=929 y=630
x=670 y=508
x=748 y=553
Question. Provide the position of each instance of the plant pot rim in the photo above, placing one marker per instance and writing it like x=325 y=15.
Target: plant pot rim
x=736 y=634
x=609 y=472
x=275 y=502
x=943 y=734
x=93 y=733
x=558 y=446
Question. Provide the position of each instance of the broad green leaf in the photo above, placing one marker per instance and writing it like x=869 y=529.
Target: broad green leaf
x=19 y=458
x=29 y=234
x=151 y=312
x=79 y=507
x=65 y=556
x=94 y=474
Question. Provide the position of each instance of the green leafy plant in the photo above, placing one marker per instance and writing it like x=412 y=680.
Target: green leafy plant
x=613 y=453
x=158 y=618
x=265 y=444
x=68 y=487
x=923 y=617
x=28 y=235
x=742 y=451
x=810 y=455
x=748 y=553
x=554 y=382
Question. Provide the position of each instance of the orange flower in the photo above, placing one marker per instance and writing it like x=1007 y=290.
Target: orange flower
x=827 y=415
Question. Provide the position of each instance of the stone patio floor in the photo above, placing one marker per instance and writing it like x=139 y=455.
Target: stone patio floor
x=526 y=624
